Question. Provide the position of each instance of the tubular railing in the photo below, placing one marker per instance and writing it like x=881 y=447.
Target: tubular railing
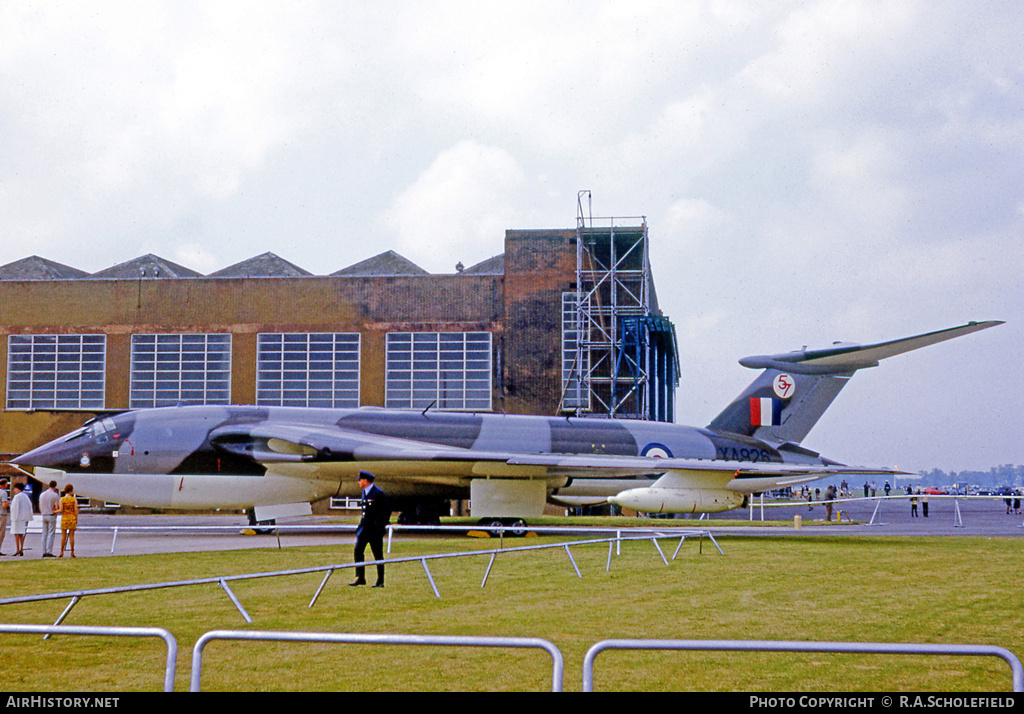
x=223 y=581
x=172 y=644
x=557 y=671
x=558 y=664
x=1017 y=672
x=501 y=531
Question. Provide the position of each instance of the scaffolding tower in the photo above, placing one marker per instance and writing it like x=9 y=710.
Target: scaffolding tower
x=619 y=356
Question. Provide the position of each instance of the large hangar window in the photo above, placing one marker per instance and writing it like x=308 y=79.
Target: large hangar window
x=451 y=370
x=56 y=371
x=307 y=370
x=180 y=369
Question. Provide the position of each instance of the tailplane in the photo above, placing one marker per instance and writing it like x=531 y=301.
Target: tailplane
x=795 y=389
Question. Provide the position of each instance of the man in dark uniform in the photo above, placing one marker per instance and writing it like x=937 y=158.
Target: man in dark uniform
x=376 y=514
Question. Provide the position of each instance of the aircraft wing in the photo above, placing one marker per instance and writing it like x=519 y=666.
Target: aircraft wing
x=740 y=476
x=638 y=465
x=281 y=443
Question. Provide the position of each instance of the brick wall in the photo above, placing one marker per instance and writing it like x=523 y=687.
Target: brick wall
x=539 y=267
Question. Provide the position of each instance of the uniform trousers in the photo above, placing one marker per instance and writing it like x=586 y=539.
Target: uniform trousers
x=376 y=543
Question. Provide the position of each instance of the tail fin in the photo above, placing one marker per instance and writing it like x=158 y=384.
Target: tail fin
x=795 y=389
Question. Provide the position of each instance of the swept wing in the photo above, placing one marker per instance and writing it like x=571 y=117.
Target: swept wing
x=273 y=443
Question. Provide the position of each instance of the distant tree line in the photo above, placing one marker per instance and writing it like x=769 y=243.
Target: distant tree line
x=1008 y=475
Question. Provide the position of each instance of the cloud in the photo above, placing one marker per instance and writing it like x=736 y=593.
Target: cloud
x=458 y=207
x=196 y=257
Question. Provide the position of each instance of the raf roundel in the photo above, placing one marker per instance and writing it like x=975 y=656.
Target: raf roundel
x=784 y=386
x=657 y=451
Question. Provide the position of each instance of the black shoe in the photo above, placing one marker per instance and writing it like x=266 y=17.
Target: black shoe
x=357 y=582
x=378 y=585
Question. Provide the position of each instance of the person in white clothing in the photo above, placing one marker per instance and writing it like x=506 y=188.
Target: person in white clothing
x=21 y=514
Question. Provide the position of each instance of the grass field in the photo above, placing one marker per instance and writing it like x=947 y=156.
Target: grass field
x=881 y=589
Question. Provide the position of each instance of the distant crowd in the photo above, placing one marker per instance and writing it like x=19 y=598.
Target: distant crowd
x=918 y=496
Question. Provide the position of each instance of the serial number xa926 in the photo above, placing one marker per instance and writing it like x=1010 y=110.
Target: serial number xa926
x=742 y=453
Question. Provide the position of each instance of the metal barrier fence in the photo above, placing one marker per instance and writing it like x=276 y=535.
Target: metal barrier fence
x=958 y=521
x=172 y=644
x=558 y=664
x=501 y=531
x=1017 y=672
x=222 y=581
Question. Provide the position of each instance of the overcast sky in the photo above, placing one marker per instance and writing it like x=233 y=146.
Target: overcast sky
x=809 y=171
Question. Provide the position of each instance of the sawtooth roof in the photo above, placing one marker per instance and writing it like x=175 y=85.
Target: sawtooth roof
x=267 y=265
x=148 y=266
x=36 y=268
x=387 y=263
x=491 y=266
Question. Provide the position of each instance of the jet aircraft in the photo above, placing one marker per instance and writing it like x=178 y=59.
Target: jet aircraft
x=273 y=459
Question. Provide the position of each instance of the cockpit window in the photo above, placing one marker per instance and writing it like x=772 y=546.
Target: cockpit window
x=99 y=429
x=94 y=429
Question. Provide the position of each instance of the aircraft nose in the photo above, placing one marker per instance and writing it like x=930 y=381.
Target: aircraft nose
x=42 y=456
x=56 y=454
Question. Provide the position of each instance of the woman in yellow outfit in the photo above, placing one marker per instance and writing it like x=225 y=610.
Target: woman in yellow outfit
x=68 y=519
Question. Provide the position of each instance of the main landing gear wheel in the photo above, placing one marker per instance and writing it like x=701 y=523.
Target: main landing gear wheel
x=254 y=524
x=515 y=527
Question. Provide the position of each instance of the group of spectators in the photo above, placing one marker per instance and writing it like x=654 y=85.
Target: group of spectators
x=17 y=507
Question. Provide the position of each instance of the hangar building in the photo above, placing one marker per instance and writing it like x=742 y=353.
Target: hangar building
x=565 y=321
